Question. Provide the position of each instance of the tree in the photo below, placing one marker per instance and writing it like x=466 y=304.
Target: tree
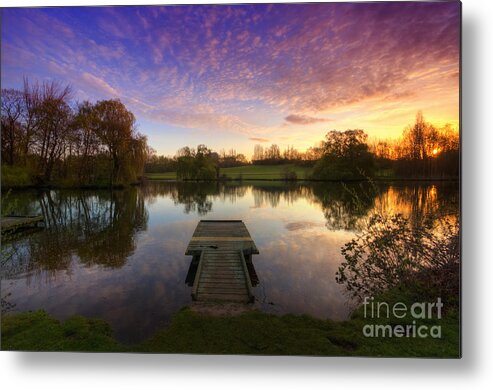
x=345 y=144
x=50 y=138
x=86 y=142
x=273 y=152
x=201 y=165
x=202 y=151
x=345 y=156
x=415 y=138
x=258 y=153
x=11 y=125
x=31 y=99
x=241 y=158
x=114 y=125
x=185 y=152
x=313 y=154
x=139 y=152
x=426 y=150
x=53 y=118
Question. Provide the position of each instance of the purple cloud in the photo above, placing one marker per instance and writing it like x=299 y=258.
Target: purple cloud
x=258 y=139
x=240 y=68
x=304 y=119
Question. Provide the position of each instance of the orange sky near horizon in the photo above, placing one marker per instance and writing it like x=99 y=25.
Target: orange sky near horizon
x=232 y=76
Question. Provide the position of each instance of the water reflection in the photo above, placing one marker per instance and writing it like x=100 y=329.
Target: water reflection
x=419 y=203
x=344 y=205
x=97 y=227
x=120 y=255
x=194 y=197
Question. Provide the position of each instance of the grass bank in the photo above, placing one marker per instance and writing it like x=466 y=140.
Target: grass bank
x=161 y=176
x=292 y=171
x=249 y=172
x=249 y=333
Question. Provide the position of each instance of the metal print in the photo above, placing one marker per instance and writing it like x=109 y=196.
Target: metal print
x=278 y=179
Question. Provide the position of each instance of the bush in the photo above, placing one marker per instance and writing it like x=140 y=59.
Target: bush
x=289 y=174
x=15 y=176
x=391 y=252
x=206 y=173
x=333 y=168
x=196 y=168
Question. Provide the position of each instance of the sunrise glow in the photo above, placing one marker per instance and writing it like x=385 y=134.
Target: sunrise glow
x=236 y=76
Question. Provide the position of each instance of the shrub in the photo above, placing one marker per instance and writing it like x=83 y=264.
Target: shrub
x=15 y=176
x=390 y=252
x=289 y=174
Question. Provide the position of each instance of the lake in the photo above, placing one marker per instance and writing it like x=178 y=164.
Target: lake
x=119 y=255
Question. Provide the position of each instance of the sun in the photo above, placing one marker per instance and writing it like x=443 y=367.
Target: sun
x=435 y=151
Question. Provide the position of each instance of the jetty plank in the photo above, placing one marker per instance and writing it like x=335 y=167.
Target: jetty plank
x=11 y=223
x=227 y=235
x=222 y=274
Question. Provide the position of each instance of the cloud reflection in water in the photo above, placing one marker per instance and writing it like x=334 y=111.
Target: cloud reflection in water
x=121 y=257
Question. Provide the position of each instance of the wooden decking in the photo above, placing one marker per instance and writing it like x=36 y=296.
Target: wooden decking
x=12 y=223
x=222 y=273
x=222 y=234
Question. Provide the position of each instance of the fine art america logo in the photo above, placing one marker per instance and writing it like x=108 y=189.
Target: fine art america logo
x=376 y=311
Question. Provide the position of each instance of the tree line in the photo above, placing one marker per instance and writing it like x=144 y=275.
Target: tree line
x=423 y=151
x=223 y=159
x=272 y=155
x=47 y=137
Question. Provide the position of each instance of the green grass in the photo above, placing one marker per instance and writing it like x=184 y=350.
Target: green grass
x=265 y=172
x=248 y=172
x=37 y=331
x=161 y=176
x=249 y=333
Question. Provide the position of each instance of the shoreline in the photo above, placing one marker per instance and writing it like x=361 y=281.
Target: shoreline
x=249 y=332
x=379 y=179
x=5 y=188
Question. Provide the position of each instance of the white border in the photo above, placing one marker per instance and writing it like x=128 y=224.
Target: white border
x=89 y=371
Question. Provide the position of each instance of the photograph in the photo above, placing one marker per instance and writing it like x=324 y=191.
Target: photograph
x=232 y=179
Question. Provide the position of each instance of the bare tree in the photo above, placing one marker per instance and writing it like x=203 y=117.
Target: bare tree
x=53 y=117
x=11 y=125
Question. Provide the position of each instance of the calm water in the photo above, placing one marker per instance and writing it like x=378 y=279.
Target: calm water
x=120 y=256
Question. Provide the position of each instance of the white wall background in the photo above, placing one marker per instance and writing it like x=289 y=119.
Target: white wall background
x=475 y=370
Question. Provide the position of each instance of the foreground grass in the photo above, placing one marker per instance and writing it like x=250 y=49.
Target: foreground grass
x=37 y=331
x=249 y=333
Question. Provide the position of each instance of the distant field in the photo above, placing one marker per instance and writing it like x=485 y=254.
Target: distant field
x=161 y=176
x=265 y=172
x=248 y=172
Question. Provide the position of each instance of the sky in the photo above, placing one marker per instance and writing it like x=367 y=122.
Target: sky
x=235 y=76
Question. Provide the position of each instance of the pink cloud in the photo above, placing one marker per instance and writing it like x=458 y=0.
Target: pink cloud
x=99 y=85
x=304 y=119
x=258 y=139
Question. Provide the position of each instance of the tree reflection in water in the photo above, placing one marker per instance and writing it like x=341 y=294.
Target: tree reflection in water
x=344 y=205
x=119 y=255
x=98 y=227
x=195 y=197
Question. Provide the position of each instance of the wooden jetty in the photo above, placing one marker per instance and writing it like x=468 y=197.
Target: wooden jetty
x=223 y=249
x=11 y=223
